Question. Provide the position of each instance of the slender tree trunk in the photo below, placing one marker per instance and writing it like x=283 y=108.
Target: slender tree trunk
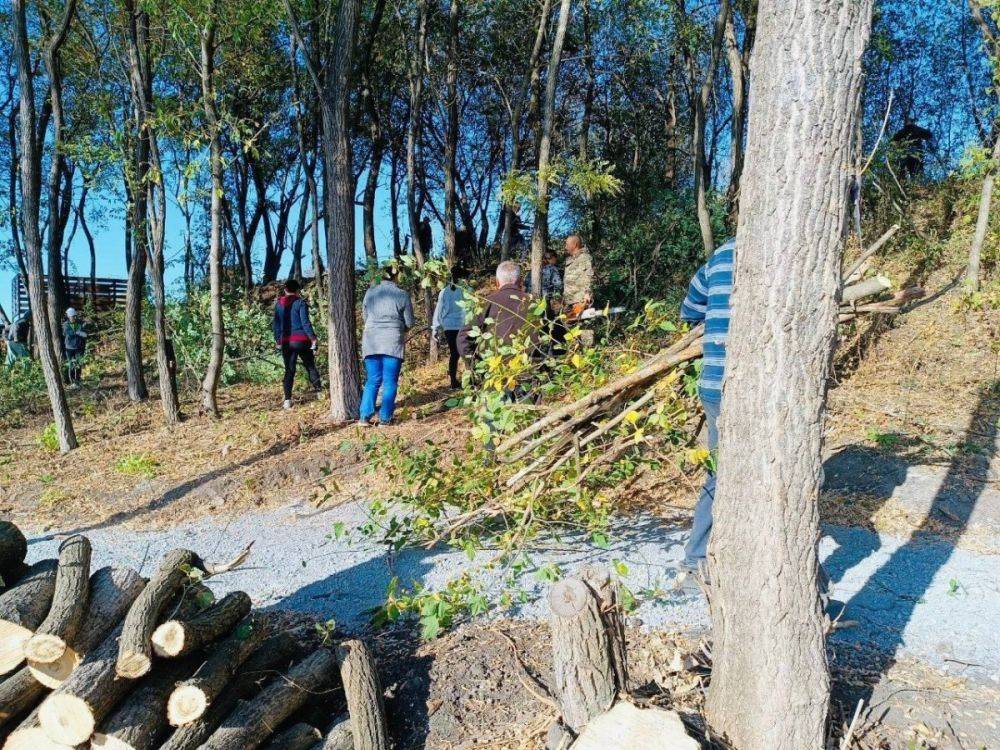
x=982 y=219
x=368 y=200
x=31 y=167
x=539 y=236
x=531 y=75
x=583 y=139
x=770 y=686
x=210 y=383
x=56 y=288
x=375 y=134
x=12 y=199
x=451 y=135
x=702 y=175
x=81 y=214
x=738 y=59
x=135 y=289
x=397 y=246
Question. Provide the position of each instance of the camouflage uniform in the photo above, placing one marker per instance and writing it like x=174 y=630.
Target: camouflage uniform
x=578 y=281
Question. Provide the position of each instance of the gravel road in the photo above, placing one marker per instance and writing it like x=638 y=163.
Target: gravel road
x=925 y=599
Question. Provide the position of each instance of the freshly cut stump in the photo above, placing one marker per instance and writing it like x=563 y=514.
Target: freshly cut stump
x=338 y=736
x=252 y=723
x=599 y=581
x=140 y=722
x=135 y=651
x=31 y=738
x=22 y=609
x=13 y=549
x=178 y=637
x=364 y=696
x=299 y=736
x=69 y=603
x=112 y=591
x=584 y=675
x=191 y=699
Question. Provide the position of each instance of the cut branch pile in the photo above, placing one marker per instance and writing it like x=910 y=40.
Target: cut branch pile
x=558 y=437
x=110 y=660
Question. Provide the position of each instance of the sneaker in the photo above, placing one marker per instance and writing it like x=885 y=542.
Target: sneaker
x=286 y=404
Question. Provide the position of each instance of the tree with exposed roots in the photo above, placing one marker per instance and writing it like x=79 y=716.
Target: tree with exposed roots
x=770 y=682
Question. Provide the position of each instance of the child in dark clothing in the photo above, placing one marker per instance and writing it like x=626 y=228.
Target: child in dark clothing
x=294 y=336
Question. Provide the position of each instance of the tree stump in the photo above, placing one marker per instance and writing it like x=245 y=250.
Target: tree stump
x=22 y=609
x=179 y=637
x=135 y=654
x=253 y=721
x=339 y=735
x=299 y=736
x=604 y=588
x=364 y=696
x=584 y=675
x=69 y=603
x=191 y=699
x=13 y=549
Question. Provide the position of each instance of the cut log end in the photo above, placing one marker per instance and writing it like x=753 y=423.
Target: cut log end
x=168 y=639
x=569 y=597
x=108 y=742
x=31 y=738
x=43 y=648
x=66 y=719
x=54 y=673
x=13 y=638
x=133 y=665
x=186 y=704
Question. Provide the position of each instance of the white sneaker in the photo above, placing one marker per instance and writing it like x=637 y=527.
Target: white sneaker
x=364 y=423
x=287 y=404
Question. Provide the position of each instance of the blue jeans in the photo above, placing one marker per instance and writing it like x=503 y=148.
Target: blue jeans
x=701 y=527
x=383 y=372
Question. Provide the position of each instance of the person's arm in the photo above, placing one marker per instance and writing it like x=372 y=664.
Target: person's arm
x=438 y=311
x=276 y=324
x=305 y=322
x=588 y=275
x=696 y=302
x=408 y=319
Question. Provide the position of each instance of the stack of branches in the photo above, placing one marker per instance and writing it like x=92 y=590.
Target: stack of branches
x=556 y=438
x=111 y=660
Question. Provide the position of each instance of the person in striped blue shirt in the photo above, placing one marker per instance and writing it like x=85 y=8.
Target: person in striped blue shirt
x=707 y=301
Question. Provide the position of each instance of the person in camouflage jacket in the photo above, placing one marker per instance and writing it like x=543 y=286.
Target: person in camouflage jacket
x=578 y=278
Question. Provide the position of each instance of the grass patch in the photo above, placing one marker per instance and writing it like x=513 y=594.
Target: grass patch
x=137 y=465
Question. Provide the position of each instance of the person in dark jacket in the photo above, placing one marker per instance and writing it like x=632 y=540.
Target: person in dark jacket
x=508 y=308
x=294 y=336
x=74 y=344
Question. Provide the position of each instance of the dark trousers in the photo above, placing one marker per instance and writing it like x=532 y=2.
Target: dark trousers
x=73 y=360
x=292 y=352
x=452 y=337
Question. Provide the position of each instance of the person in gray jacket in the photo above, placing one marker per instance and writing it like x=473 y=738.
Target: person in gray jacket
x=388 y=314
x=449 y=317
x=74 y=344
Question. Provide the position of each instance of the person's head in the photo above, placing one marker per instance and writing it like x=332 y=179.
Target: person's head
x=551 y=258
x=459 y=273
x=70 y=314
x=292 y=286
x=508 y=273
x=573 y=244
x=390 y=272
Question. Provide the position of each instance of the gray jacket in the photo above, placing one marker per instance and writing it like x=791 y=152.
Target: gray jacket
x=448 y=316
x=388 y=314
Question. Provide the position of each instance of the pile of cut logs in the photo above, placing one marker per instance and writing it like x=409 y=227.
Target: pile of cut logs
x=111 y=660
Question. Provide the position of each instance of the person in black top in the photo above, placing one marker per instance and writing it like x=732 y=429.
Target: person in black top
x=74 y=344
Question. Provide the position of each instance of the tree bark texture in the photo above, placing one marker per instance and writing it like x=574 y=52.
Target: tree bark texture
x=253 y=722
x=972 y=272
x=364 y=696
x=581 y=654
x=770 y=685
x=30 y=157
x=299 y=736
x=13 y=549
x=451 y=134
x=178 y=637
x=69 y=603
x=135 y=653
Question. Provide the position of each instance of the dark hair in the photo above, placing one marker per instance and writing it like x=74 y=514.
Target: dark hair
x=390 y=272
x=292 y=286
x=458 y=273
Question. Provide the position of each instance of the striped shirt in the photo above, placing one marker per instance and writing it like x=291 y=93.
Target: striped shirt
x=708 y=300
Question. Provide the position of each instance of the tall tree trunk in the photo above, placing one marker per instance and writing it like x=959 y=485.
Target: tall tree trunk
x=982 y=219
x=12 y=199
x=702 y=176
x=539 y=236
x=451 y=135
x=531 y=75
x=583 y=139
x=210 y=383
x=56 y=289
x=31 y=168
x=375 y=134
x=81 y=215
x=135 y=288
x=397 y=245
x=368 y=200
x=770 y=685
x=738 y=59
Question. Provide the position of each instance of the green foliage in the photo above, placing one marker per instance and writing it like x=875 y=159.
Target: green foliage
x=22 y=390
x=250 y=352
x=435 y=610
x=49 y=438
x=137 y=464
